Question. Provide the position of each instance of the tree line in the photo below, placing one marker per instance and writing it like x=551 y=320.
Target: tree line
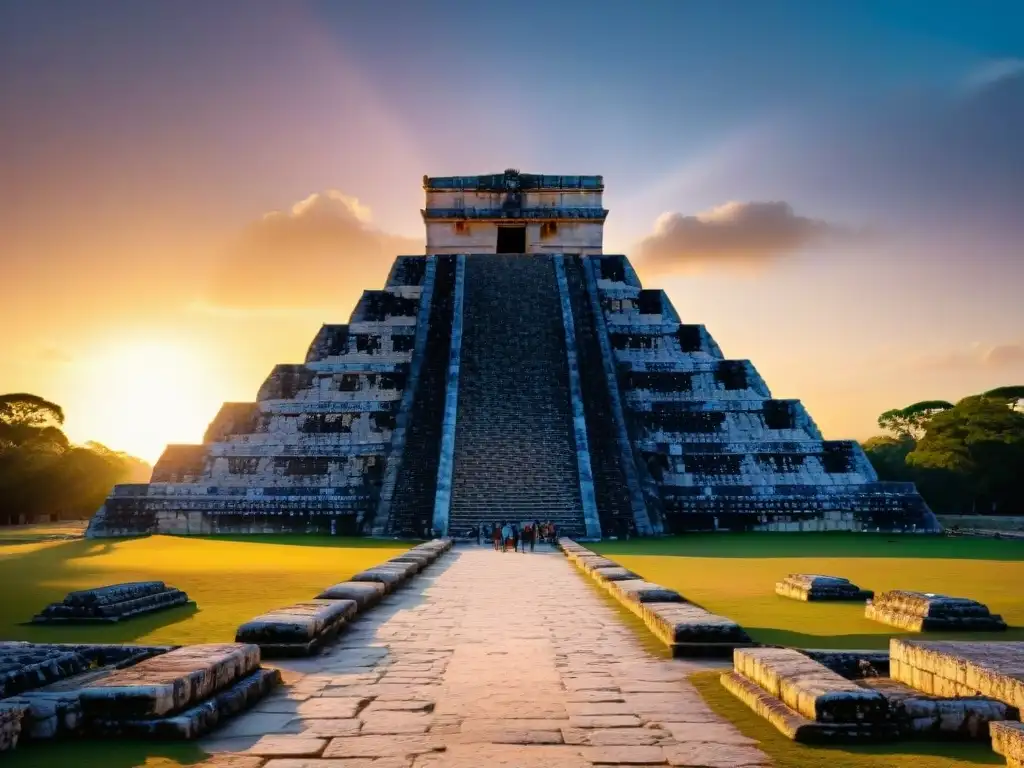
x=43 y=476
x=965 y=457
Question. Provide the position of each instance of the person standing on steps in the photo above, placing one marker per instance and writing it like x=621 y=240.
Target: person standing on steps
x=506 y=536
x=496 y=536
x=525 y=536
x=515 y=537
x=536 y=533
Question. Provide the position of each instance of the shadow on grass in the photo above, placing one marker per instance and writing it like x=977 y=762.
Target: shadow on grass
x=104 y=754
x=140 y=625
x=838 y=544
x=865 y=642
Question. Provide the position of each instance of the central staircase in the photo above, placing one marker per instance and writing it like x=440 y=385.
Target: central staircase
x=515 y=455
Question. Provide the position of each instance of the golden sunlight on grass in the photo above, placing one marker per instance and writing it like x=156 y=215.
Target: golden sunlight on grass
x=230 y=580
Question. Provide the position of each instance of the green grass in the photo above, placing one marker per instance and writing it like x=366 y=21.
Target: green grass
x=734 y=575
x=230 y=580
x=788 y=754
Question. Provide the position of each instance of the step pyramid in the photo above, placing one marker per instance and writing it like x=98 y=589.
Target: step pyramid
x=481 y=386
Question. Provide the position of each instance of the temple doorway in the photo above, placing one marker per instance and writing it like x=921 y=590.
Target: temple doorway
x=511 y=240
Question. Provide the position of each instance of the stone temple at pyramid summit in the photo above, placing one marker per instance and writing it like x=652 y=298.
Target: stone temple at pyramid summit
x=513 y=372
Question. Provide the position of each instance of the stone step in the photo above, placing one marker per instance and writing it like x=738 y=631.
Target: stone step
x=170 y=683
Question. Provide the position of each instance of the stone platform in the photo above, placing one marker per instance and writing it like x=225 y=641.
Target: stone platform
x=960 y=668
x=808 y=587
x=687 y=629
x=113 y=603
x=924 y=612
x=181 y=694
x=487 y=659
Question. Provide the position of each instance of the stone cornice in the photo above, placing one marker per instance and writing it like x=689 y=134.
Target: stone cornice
x=484 y=214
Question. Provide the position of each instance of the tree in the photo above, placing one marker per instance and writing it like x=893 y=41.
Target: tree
x=888 y=455
x=913 y=420
x=43 y=476
x=980 y=441
x=31 y=422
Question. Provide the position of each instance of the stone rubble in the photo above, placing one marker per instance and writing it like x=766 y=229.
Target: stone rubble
x=1008 y=741
x=113 y=603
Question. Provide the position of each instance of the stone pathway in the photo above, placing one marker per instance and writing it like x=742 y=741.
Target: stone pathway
x=488 y=659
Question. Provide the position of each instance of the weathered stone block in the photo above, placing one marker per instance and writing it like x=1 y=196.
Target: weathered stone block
x=613 y=573
x=640 y=591
x=804 y=586
x=995 y=670
x=11 y=716
x=923 y=611
x=298 y=629
x=365 y=593
x=810 y=688
x=1008 y=741
x=692 y=631
x=391 y=578
x=917 y=714
x=169 y=683
x=197 y=720
x=114 y=603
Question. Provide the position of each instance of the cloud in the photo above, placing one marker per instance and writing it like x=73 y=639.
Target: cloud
x=321 y=252
x=991 y=72
x=994 y=357
x=734 y=233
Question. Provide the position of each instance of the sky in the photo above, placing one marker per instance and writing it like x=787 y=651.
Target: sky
x=188 y=190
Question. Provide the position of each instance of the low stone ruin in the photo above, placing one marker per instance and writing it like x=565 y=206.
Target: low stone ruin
x=66 y=691
x=806 y=700
x=113 y=603
x=919 y=689
x=1008 y=741
x=304 y=628
x=181 y=694
x=848 y=696
x=814 y=587
x=924 y=612
x=961 y=668
x=687 y=629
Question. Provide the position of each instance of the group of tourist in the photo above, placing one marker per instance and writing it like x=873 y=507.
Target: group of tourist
x=517 y=536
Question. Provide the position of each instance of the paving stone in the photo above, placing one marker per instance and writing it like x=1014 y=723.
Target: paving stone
x=717 y=733
x=231 y=761
x=332 y=707
x=272 y=745
x=706 y=755
x=395 y=722
x=605 y=721
x=325 y=729
x=625 y=755
x=402 y=745
x=489 y=676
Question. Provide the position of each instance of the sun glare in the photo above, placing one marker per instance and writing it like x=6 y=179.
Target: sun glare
x=138 y=396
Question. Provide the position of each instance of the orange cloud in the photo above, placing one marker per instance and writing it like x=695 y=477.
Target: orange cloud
x=734 y=233
x=315 y=254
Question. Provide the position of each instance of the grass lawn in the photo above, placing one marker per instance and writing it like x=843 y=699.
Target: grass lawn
x=231 y=581
x=15 y=534
x=788 y=754
x=734 y=575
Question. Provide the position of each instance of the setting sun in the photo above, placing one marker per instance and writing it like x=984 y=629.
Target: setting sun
x=140 y=395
